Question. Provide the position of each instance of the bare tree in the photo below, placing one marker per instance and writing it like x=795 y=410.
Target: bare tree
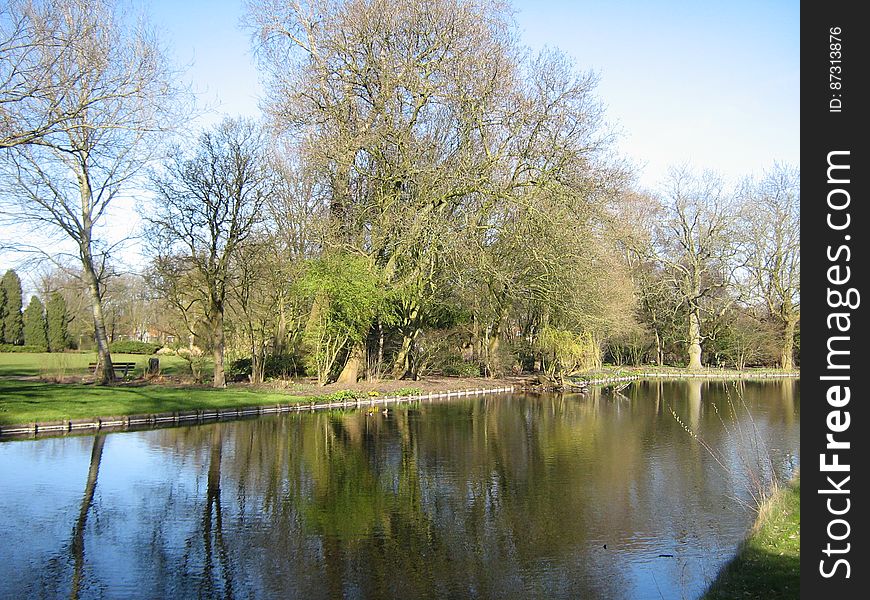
x=422 y=120
x=697 y=244
x=772 y=224
x=115 y=89
x=207 y=206
x=36 y=52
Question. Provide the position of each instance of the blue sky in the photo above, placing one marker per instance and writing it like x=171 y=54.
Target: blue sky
x=712 y=84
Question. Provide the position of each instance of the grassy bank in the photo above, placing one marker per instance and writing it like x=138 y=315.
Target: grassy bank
x=58 y=365
x=25 y=401
x=609 y=371
x=44 y=387
x=32 y=401
x=768 y=563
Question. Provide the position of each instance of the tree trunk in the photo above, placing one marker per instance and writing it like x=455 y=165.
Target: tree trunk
x=77 y=547
x=380 y=365
x=279 y=342
x=694 y=339
x=476 y=344
x=492 y=358
x=786 y=360
x=217 y=338
x=310 y=334
x=258 y=365
x=403 y=368
x=660 y=351
x=105 y=371
x=400 y=366
x=350 y=372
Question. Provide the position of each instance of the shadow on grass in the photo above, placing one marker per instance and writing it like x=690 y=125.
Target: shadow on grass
x=768 y=563
x=758 y=574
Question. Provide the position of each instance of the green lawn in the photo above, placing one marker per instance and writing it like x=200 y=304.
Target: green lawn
x=768 y=564
x=61 y=364
x=30 y=401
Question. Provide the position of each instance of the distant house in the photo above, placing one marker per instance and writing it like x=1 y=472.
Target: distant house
x=150 y=335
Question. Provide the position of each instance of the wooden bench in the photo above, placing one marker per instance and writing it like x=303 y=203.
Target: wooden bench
x=122 y=369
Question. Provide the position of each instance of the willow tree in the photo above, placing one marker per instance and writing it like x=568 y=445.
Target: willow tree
x=772 y=234
x=420 y=119
x=207 y=204
x=111 y=81
x=697 y=244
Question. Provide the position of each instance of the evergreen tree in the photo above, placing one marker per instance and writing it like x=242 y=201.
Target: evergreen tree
x=35 y=325
x=56 y=315
x=13 y=322
x=3 y=312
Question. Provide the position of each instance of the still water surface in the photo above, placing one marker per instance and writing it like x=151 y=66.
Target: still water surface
x=601 y=495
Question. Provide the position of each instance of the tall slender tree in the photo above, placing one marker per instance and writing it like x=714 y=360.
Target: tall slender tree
x=773 y=251
x=35 y=325
x=207 y=205
x=13 y=323
x=117 y=91
x=3 y=313
x=58 y=321
x=697 y=245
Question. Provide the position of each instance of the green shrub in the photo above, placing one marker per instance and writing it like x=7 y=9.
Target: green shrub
x=279 y=366
x=342 y=396
x=133 y=347
x=461 y=368
x=13 y=348
x=408 y=391
x=240 y=369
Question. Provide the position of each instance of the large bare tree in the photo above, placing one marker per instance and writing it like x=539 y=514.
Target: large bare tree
x=36 y=50
x=422 y=120
x=111 y=83
x=772 y=227
x=697 y=243
x=207 y=205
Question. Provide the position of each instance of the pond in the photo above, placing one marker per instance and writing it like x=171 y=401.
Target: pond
x=643 y=492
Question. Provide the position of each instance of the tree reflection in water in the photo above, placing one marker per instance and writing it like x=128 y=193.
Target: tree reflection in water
x=77 y=545
x=498 y=497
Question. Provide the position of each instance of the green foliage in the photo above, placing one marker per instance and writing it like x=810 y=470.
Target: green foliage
x=10 y=311
x=21 y=349
x=58 y=321
x=408 y=391
x=441 y=351
x=567 y=351
x=461 y=368
x=133 y=347
x=342 y=396
x=630 y=348
x=278 y=366
x=347 y=296
x=3 y=313
x=35 y=326
x=239 y=369
x=196 y=361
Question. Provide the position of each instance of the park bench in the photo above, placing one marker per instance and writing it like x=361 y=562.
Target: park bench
x=122 y=369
